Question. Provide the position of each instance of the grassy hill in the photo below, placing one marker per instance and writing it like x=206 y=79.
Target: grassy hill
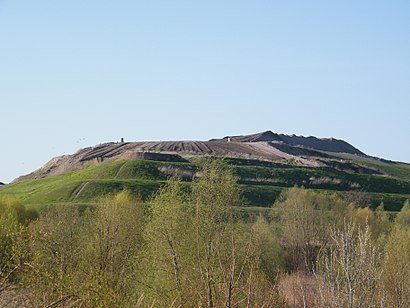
x=261 y=182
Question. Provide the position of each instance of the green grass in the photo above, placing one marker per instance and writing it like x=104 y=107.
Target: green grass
x=395 y=169
x=261 y=182
x=260 y=195
x=398 y=170
x=141 y=188
x=310 y=178
x=265 y=196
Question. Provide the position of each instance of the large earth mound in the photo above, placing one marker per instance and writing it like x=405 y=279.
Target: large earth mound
x=264 y=165
x=266 y=146
x=321 y=144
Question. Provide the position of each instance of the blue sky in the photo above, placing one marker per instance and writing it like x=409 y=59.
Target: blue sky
x=77 y=73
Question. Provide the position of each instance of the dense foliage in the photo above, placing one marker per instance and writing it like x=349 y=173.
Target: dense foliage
x=189 y=247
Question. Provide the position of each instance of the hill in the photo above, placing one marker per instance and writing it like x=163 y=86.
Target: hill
x=324 y=144
x=264 y=164
x=266 y=146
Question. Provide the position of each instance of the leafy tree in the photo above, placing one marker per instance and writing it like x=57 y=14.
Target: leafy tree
x=396 y=267
x=403 y=217
x=85 y=259
x=304 y=219
x=213 y=194
x=265 y=265
x=396 y=263
x=13 y=218
x=114 y=239
x=56 y=246
x=380 y=225
x=267 y=249
x=169 y=236
x=199 y=252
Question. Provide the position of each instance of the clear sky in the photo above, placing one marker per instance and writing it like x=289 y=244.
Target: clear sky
x=74 y=73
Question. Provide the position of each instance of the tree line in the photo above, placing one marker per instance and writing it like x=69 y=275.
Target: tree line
x=190 y=248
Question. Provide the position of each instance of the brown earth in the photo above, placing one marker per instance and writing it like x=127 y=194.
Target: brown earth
x=321 y=144
x=15 y=297
x=266 y=146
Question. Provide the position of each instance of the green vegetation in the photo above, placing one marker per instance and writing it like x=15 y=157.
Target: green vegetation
x=398 y=170
x=393 y=169
x=261 y=182
x=193 y=247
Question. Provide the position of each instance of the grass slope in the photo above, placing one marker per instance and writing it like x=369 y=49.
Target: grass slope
x=261 y=182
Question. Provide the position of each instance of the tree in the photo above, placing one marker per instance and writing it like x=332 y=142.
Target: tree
x=56 y=246
x=381 y=224
x=214 y=194
x=304 y=218
x=114 y=240
x=85 y=258
x=265 y=265
x=403 y=217
x=349 y=270
x=13 y=220
x=267 y=249
x=200 y=253
x=169 y=237
x=396 y=263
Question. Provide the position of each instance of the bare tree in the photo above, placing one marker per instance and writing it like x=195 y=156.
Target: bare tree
x=349 y=270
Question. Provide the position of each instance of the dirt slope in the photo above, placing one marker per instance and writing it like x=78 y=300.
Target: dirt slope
x=321 y=144
x=263 y=146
